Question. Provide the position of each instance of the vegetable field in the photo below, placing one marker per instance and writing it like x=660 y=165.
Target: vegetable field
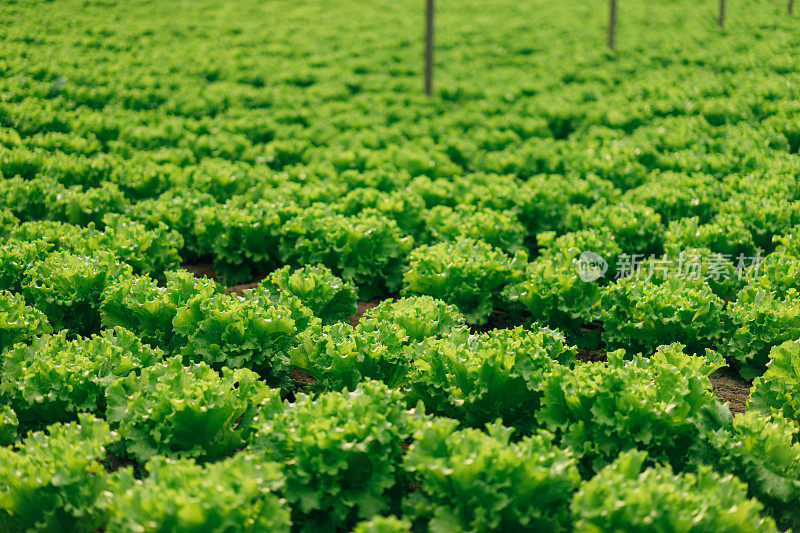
x=253 y=279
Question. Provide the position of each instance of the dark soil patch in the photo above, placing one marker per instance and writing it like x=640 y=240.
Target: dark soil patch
x=239 y=289
x=201 y=270
x=591 y=356
x=731 y=388
x=300 y=377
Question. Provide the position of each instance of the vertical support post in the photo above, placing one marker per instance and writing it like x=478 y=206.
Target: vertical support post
x=791 y=7
x=429 y=47
x=612 y=23
x=721 y=18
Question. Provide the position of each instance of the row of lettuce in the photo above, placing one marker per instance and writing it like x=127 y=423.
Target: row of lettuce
x=644 y=431
x=181 y=375
x=716 y=282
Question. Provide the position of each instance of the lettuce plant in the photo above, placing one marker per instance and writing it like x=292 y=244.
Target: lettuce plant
x=654 y=404
x=637 y=228
x=725 y=234
x=342 y=454
x=241 y=239
x=139 y=304
x=226 y=330
x=179 y=210
x=760 y=321
x=420 y=317
x=478 y=379
x=8 y=425
x=779 y=273
x=52 y=480
x=149 y=251
x=18 y=322
x=327 y=296
x=778 y=389
x=640 y=314
x=762 y=451
x=367 y=249
x=467 y=273
x=384 y=524
x=379 y=347
x=186 y=411
x=54 y=378
x=15 y=258
x=627 y=496
x=68 y=288
x=187 y=316
x=473 y=481
x=236 y=494
x=501 y=229
x=555 y=295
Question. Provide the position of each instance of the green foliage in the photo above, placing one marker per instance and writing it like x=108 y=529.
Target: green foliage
x=420 y=317
x=7 y=222
x=760 y=320
x=342 y=453
x=467 y=273
x=8 y=425
x=471 y=481
x=779 y=273
x=636 y=228
x=626 y=496
x=379 y=347
x=675 y=195
x=367 y=250
x=54 y=378
x=52 y=481
x=148 y=251
x=641 y=315
x=226 y=330
x=778 y=389
x=15 y=258
x=18 y=322
x=326 y=295
x=383 y=524
x=241 y=239
x=138 y=304
x=188 y=317
x=186 y=411
x=478 y=379
x=68 y=288
x=180 y=211
x=724 y=234
x=555 y=295
x=653 y=404
x=236 y=494
x=763 y=452
x=501 y=229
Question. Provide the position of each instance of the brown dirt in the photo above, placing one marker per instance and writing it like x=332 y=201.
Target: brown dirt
x=239 y=289
x=202 y=270
x=591 y=356
x=300 y=377
x=731 y=388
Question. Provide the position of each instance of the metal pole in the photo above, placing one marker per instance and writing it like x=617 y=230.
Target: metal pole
x=721 y=19
x=791 y=6
x=429 y=47
x=612 y=22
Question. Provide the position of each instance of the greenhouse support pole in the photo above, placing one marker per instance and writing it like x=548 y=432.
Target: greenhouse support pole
x=429 y=47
